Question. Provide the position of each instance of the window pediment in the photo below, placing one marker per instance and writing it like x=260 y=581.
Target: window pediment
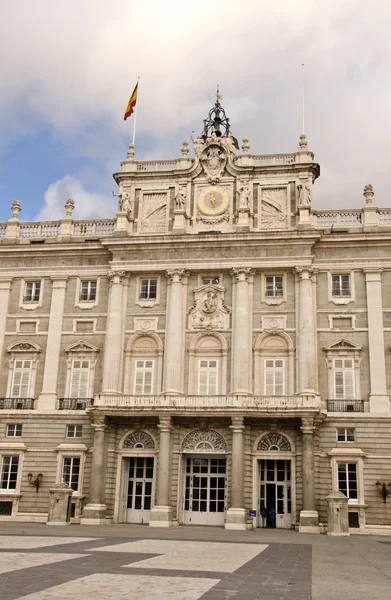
x=24 y=346
x=343 y=344
x=81 y=346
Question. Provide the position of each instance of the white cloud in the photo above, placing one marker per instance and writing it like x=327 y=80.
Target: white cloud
x=87 y=205
x=73 y=65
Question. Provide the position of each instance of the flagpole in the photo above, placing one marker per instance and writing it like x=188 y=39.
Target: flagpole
x=135 y=113
x=302 y=97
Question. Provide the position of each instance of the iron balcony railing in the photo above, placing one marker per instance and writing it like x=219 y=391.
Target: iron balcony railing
x=346 y=405
x=75 y=403
x=16 y=403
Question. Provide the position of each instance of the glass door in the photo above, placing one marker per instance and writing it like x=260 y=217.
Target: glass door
x=205 y=491
x=140 y=489
x=275 y=509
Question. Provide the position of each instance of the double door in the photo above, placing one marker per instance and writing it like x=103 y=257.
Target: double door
x=139 y=489
x=275 y=494
x=205 y=484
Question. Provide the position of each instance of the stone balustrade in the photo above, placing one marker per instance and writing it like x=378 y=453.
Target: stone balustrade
x=338 y=218
x=158 y=165
x=98 y=228
x=39 y=230
x=265 y=404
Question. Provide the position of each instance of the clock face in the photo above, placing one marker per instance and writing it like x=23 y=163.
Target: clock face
x=213 y=200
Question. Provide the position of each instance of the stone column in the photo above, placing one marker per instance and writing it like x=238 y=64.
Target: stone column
x=241 y=332
x=5 y=289
x=378 y=398
x=236 y=514
x=174 y=338
x=305 y=331
x=161 y=513
x=113 y=351
x=309 y=518
x=94 y=512
x=48 y=396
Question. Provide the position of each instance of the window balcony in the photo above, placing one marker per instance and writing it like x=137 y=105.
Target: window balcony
x=346 y=405
x=75 y=403
x=17 y=403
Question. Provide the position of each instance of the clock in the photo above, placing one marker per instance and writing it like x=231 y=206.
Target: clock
x=213 y=200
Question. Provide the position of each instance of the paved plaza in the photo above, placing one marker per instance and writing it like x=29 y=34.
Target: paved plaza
x=188 y=563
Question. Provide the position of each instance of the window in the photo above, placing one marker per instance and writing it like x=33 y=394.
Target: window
x=14 y=430
x=340 y=286
x=274 y=377
x=80 y=379
x=274 y=286
x=345 y=434
x=208 y=377
x=148 y=289
x=210 y=280
x=71 y=471
x=143 y=378
x=20 y=386
x=32 y=292
x=74 y=431
x=344 y=375
x=9 y=472
x=347 y=480
x=88 y=291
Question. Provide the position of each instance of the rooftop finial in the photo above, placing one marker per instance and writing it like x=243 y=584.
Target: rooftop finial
x=217 y=122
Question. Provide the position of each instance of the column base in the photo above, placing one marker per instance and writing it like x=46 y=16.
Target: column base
x=94 y=514
x=379 y=403
x=57 y=523
x=309 y=521
x=47 y=401
x=161 y=516
x=236 y=519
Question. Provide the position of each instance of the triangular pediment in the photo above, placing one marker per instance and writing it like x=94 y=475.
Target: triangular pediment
x=343 y=344
x=81 y=346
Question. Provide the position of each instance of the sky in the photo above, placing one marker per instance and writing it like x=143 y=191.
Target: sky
x=67 y=70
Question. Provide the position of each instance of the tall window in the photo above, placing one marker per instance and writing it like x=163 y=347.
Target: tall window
x=208 y=377
x=148 y=289
x=80 y=379
x=21 y=379
x=32 y=291
x=71 y=471
x=88 y=291
x=274 y=288
x=347 y=480
x=340 y=286
x=143 y=377
x=344 y=378
x=274 y=377
x=9 y=472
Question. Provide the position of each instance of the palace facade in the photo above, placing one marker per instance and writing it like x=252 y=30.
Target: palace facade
x=217 y=347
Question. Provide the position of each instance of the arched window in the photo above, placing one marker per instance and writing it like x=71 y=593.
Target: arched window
x=204 y=441
x=274 y=442
x=139 y=440
x=23 y=360
x=274 y=368
x=208 y=365
x=143 y=365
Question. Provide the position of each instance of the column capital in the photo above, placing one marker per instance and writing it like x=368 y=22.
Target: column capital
x=307 y=425
x=304 y=271
x=372 y=274
x=176 y=274
x=116 y=276
x=237 y=424
x=165 y=423
x=241 y=273
x=98 y=421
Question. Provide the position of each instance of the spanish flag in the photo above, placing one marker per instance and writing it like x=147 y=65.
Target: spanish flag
x=131 y=103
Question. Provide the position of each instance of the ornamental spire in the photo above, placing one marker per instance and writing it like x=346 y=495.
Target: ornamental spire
x=217 y=122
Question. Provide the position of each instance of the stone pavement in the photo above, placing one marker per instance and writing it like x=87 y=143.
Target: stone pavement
x=188 y=563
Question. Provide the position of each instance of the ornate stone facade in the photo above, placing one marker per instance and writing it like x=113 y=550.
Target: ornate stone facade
x=220 y=345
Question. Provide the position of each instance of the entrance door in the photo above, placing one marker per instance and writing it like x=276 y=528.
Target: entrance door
x=205 y=491
x=139 y=489
x=275 y=493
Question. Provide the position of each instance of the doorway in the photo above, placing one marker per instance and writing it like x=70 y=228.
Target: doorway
x=205 y=482
x=139 y=489
x=275 y=507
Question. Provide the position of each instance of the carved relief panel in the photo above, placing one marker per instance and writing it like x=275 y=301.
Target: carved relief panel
x=274 y=207
x=153 y=212
x=209 y=310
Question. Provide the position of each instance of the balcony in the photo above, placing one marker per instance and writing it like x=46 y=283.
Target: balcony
x=283 y=405
x=16 y=403
x=75 y=403
x=346 y=406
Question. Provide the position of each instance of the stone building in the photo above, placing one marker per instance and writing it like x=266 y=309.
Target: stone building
x=217 y=347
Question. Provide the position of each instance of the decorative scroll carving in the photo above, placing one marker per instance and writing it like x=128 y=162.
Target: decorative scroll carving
x=209 y=310
x=274 y=208
x=139 y=439
x=153 y=217
x=274 y=441
x=202 y=441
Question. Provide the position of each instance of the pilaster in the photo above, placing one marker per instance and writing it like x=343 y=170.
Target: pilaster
x=241 y=331
x=236 y=514
x=5 y=289
x=309 y=518
x=48 y=397
x=174 y=338
x=94 y=512
x=113 y=350
x=161 y=513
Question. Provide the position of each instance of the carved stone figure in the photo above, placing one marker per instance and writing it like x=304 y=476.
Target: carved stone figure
x=199 y=145
x=244 y=197
x=125 y=204
x=304 y=194
x=180 y=200
x=209 y=310
x=209 y=302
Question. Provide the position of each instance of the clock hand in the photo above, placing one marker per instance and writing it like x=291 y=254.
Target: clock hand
x=212 y=200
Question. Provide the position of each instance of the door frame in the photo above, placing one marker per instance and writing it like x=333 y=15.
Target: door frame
x=182 y=480
x=121 y=487
x=277 y=455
